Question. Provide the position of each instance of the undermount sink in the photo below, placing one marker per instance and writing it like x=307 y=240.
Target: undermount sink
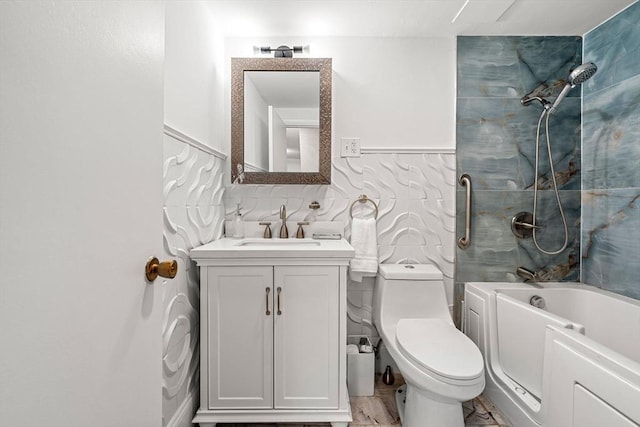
x=277 y=242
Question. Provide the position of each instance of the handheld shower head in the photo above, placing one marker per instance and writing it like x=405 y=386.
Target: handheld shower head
x=581 y=74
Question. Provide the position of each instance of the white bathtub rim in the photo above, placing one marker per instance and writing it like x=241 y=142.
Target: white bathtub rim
x=488 y=287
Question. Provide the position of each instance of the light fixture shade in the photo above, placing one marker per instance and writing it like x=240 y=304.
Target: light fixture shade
x=301 y=49
x=281 y=51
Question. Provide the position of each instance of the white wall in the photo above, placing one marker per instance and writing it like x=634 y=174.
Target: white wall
x=194 y=72
x=193 y=215
x=390 y=92
x=193 y=174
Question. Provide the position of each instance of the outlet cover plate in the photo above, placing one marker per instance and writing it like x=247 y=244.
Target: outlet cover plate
x=349 y=147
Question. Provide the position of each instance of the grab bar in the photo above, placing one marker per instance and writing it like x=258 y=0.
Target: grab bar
x=465 y=241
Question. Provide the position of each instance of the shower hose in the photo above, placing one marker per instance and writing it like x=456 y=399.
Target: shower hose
x=546 y=114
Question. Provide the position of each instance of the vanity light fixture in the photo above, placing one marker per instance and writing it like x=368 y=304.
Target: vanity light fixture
x=281 y=51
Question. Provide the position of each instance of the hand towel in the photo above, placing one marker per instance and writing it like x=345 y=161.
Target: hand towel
x=364 y=241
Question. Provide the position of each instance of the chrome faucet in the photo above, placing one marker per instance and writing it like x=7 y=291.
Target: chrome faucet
x=526 y=274
x=530 y=277
x=284 y=232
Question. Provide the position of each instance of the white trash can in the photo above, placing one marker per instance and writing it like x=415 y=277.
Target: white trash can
x=360 y=366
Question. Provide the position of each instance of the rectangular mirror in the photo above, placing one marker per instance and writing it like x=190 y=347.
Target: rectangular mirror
x=281 y=120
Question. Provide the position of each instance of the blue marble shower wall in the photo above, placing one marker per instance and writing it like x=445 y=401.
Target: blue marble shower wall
x=496 y=138
x=611 y=157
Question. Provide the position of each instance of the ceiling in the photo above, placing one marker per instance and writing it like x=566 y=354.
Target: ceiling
x=409 y=18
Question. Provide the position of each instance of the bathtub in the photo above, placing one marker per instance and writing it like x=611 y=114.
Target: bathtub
x=575 y=362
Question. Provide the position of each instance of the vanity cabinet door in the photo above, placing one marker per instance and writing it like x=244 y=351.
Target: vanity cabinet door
x=306 y=337
x=240 y=337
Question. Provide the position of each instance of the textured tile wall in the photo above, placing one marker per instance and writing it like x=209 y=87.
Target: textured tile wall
x=611 y=156
x=416 y=223
x=496 y=147
x=193 y=215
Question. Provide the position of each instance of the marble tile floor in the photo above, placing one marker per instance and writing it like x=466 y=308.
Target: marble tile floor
x=380 y=410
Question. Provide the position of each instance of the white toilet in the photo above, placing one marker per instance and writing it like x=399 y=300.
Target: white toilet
x=441 y=366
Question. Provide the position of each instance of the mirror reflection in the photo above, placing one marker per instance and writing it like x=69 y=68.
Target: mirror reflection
x=281 y=121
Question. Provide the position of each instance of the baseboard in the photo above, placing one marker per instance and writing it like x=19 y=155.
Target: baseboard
x=184 y=414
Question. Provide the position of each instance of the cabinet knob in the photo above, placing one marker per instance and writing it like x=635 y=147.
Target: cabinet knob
x=155 y=268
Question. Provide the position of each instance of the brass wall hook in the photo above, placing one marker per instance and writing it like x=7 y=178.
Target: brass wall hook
x=155 y=268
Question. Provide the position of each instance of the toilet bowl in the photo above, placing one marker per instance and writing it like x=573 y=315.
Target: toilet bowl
x=441 y=366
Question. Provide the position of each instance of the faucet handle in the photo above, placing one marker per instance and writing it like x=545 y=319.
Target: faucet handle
x=267 y=230
x=300 y=232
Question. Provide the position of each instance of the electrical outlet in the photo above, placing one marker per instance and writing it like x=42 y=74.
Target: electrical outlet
x=349 y=147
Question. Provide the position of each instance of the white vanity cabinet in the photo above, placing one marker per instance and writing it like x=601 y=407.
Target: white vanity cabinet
x=306 y=337
x=273 y=337
x=273 y=333
x=239 y=336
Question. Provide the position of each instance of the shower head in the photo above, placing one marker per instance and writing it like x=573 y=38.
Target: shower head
x=581 y=74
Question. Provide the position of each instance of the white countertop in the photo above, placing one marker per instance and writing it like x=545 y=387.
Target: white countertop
x=229 y=248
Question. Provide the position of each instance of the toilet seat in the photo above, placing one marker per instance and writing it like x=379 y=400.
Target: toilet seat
x=439 y=348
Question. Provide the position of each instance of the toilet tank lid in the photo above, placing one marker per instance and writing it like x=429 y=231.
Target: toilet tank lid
x=410 y=272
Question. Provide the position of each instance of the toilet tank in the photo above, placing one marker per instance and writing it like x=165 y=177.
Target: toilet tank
x=406 y=291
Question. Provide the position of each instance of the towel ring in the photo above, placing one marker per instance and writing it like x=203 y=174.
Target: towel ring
x=364 y=199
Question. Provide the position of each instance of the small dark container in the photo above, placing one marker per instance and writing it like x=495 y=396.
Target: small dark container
x=387 y=377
